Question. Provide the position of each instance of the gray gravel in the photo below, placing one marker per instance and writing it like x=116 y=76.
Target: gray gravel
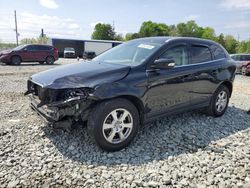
x=186 y=150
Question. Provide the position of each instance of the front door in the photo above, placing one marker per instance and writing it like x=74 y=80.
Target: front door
x=170 y=89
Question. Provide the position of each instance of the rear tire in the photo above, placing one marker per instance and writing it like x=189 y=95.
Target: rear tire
x=219 y=102
x=16 y=60
x=113 y=124
x=50 y=60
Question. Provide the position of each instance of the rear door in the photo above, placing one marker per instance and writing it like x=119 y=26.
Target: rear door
x=205 y=69
x=42 y=52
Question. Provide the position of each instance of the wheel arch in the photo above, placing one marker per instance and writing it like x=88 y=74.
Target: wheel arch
x=135 y=101
x=50 y=56
x=16 y=55
x=229 y=85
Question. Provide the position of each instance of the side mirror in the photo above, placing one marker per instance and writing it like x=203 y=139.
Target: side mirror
x=25 y=50
x=163 y=63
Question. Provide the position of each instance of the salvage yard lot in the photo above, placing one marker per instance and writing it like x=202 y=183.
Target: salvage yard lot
x=189 y=149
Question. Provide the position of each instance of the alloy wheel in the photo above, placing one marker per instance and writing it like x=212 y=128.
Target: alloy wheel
x=117 y=126
x=221 y=101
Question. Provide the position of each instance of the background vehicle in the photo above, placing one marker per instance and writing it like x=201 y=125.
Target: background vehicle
x=245 y=70
x=133 y=84
x=241 y=59
x=69 y=52
x=88 y=55
x=97 y=46
x=30 y=53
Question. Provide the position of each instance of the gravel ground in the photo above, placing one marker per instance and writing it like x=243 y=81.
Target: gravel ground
x=186 y=150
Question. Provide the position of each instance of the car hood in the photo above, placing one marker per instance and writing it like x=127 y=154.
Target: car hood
x=3 y=52
x=83 y=74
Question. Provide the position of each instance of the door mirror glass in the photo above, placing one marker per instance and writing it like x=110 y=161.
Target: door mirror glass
x=25 y=50
x=163 y=63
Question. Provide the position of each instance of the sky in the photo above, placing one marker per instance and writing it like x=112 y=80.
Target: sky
x=77 y=18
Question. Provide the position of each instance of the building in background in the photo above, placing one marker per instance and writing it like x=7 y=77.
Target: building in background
x=80 y=46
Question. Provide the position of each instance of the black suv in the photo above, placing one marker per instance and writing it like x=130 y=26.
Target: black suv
x=134 y=83
x=88 y=55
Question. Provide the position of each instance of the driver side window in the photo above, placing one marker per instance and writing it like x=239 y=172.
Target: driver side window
x=178 y=54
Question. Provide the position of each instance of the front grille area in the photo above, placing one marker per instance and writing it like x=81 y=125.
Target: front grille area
x=35 y=89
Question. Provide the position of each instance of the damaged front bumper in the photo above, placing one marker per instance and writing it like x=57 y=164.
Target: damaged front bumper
x=61 y=115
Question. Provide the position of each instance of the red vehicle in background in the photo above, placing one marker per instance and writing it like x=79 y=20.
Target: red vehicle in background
x=30 y=53
x=245 y=70
x=242 y=62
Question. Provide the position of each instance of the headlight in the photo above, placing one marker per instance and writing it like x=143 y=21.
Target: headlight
x=73 y=94
x=248 y=66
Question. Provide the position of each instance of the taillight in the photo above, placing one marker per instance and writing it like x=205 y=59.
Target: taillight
x=248 y=65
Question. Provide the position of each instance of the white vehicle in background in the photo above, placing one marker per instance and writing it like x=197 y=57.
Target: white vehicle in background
x=69 y=52
x=240 y=59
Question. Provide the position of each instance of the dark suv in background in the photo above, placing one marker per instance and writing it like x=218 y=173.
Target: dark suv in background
x=30 y=53
x=133 y=84
x=88 y=55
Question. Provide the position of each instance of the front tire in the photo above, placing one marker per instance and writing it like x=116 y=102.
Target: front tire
x=16 y=60
x=113 y=124
x=219 y=102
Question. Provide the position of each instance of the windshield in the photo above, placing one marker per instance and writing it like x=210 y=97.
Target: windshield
x=131 y=53
x=18 y=47
x=69 y=49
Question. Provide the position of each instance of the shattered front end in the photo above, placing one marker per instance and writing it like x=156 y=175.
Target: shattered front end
x=60 y=107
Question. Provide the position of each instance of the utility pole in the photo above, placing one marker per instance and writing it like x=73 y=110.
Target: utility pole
x=113 y=25
x=42 y=35
x=16 y=28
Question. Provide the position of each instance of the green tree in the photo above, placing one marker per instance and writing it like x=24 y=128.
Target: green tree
x=103 y=32
x=34 y=40
x=189 y=29
x=6 y=45
x=244 y=47
x=221 y=40
x=119 y=37
x=209 y=33
x=130 y=36
x=231 y=44
x=150 y=28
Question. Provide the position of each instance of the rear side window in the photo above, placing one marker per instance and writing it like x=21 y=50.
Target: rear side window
x=245 y=58
x=43 y=48
x=218 y=52
x=200 y=54
x=32 y=48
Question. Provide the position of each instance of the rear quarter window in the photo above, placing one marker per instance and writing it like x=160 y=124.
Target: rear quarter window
x=200 y=54
x=218 y=52
x=44 y=48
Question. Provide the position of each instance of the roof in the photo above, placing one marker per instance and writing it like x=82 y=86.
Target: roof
x=105 y=41
x=163 y=40
x=239 y=54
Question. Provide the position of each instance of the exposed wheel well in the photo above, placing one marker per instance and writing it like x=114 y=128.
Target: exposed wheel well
x=229 y=85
